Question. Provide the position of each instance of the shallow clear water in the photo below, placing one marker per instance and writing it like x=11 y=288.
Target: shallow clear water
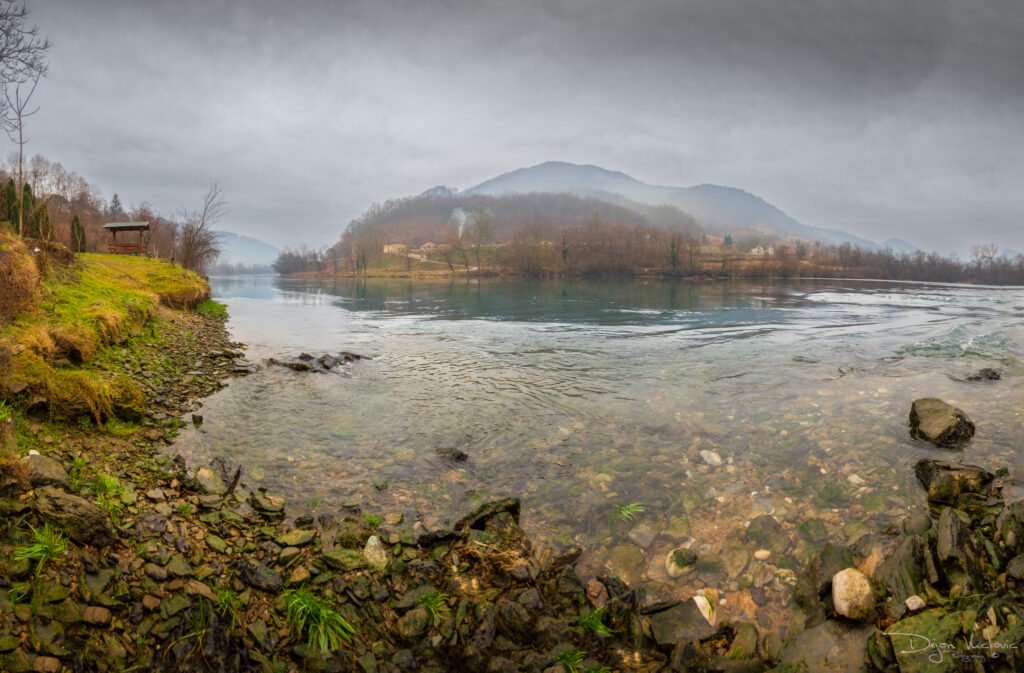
x=580 y=396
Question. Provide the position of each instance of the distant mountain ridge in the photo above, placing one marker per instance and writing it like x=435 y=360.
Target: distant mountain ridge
x=718 y=208
x=238 y=249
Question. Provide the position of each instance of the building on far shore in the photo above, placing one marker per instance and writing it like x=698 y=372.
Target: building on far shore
x=395 y=248
x=761 y=251
x=429 y=245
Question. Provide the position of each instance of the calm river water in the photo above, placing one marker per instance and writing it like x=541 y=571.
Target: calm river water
x=583 y=396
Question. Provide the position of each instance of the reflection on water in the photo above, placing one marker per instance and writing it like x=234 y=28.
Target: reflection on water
x=581 y=396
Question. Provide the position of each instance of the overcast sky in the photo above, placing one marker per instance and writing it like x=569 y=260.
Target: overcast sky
x=881 y=117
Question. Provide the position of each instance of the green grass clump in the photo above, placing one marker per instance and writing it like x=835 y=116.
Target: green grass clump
x=5 y=411
x=212 y=309
x=593 y=621
x=571 y=660
x=372 y=520
x=629 y=511
x=229 y=604
x=435 y=604
x=48 y=544
x=313 y=618
x=185 y=510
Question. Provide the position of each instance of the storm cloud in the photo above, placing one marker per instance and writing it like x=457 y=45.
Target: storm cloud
x=881 y=118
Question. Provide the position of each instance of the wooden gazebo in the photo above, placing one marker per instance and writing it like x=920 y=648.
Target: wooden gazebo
x=124 y=247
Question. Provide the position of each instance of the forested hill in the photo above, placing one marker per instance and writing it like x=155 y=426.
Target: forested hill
x=440 y=214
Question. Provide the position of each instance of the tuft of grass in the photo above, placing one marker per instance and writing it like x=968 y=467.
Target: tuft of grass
x=593 y=621
x=212 y=309
x=629 y=511
x=185 y=510
x=5 y=411
x=372 y=520
x=313 y=503
x=229 y=604
x=48 y=544
x=314 y=618
x=435 y=604
x=571 y=660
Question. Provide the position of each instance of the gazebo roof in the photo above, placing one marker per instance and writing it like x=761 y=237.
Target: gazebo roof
x=126 y=226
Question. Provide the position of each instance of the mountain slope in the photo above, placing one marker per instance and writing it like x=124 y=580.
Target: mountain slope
x=719 y=208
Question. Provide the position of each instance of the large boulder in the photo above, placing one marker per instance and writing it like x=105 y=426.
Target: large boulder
x=947 y=482
x=84 y=522
x=940 y=423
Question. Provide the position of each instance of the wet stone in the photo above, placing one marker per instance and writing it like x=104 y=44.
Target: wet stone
x=375 y=553
x=155 y=572
x=679 y=561
x=287 y=554
x=626 y=562
x=414 y=622
x=179 y=567
x=256 y=574
x=344 y=559
x=765 y=531
x=852 y=595
x=642 y=535
x=682 y=622
x=296 y=538
x=208 y=482
x=174 y=604
x=96 y=615
x=46 y=665
x=217 y=544
x=940 y=423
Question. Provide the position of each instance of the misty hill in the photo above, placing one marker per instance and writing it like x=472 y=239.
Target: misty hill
x=716 y=208
x=237 y=249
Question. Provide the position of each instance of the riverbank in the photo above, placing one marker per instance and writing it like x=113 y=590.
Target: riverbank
x=174 y=567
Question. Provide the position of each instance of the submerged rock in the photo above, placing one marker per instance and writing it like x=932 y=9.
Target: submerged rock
x=947 y=482
x=682 y=622
x=831 y=647
x=940 y=423
x=985 y=374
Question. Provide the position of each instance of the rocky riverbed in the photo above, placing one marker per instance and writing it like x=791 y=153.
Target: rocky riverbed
x=174 y=567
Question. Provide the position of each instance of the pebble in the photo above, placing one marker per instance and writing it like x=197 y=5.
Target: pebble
x=856 y=480
x=711 y=458
x=762 y=554
x=96 y=615
x=915 y=603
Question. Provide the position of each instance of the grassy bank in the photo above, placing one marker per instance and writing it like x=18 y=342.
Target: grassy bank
x=80 y=308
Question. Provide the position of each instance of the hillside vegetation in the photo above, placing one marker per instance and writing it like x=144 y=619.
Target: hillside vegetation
x=67 y=317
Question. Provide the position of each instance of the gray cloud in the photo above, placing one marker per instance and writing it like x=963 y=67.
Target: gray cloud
x=883 y=118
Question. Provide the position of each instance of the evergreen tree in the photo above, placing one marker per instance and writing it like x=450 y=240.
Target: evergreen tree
x=728 y=239
x=115 y=209
x=28 y=206
x=77 y=235
x=9 y=204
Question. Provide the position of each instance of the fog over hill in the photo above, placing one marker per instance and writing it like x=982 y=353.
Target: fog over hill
x=716 y=208
x=237 y=249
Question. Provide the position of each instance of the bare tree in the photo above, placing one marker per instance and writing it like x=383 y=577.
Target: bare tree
x=22 y=50
x=481 y=229
x=198 y=245
x=16 y=111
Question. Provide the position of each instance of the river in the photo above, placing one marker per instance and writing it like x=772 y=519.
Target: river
x=581 y=397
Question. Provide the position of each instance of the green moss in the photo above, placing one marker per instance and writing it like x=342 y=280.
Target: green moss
x=212 y=309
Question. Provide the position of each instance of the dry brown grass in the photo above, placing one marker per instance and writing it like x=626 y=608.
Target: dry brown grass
x=19 y=277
